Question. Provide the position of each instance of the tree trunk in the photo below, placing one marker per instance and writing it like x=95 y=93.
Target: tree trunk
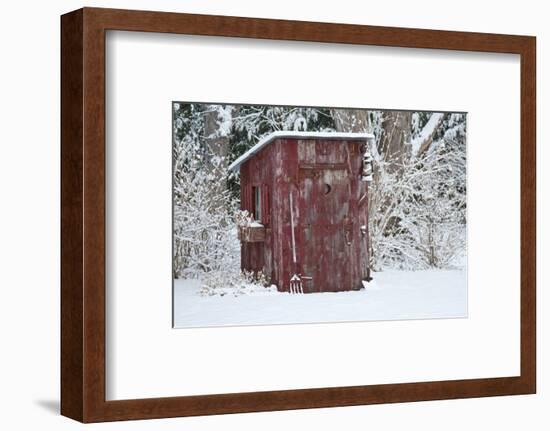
x=351 y=120
x=396 y=126
x=217 y=144
x=217 y=147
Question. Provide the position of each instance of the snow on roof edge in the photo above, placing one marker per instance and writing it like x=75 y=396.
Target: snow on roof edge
x=294 y=134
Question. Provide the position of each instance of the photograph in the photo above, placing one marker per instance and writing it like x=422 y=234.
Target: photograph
x=292 y=214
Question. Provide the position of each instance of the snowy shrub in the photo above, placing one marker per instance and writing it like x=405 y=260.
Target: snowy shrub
x=205 y=234
x=206 y=214
x=418 y=212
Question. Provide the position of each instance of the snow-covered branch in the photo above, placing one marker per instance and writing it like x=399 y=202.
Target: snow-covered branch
x=424 y=139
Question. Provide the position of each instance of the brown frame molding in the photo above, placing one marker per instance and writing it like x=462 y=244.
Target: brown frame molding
x=83 y=214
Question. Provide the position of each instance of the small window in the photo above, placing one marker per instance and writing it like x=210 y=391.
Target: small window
x=257 y=194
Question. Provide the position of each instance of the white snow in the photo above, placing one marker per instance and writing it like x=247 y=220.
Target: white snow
x=392 y=295
x=299 y=135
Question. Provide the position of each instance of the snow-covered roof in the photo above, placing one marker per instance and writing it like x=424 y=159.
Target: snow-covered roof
x=266 y=140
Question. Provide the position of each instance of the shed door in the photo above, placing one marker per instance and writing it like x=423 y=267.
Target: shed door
x=325 y=228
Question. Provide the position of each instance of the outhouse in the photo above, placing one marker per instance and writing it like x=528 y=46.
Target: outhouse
x=307 y=195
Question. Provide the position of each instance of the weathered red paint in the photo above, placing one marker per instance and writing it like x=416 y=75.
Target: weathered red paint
x=330 y=206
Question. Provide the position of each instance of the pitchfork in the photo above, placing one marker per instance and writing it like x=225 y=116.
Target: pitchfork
x=295 y=281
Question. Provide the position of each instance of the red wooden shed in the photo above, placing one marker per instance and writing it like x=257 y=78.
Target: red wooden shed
x=307 y=193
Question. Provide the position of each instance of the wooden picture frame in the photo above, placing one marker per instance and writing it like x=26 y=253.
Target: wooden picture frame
x=83 y=334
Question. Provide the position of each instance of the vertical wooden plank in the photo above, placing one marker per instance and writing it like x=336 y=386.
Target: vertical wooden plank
x=292 y=167
x=267 y=179
x=243 y=187
x=94 y=215
x=276 y=183
x=72 y=353
x=245 y=253
x=528 y=216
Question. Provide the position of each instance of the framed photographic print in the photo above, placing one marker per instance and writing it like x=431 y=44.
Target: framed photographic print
x=267 y=215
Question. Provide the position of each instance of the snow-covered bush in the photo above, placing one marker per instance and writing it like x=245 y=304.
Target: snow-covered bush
x=204 y=230
x=205 y=236
x=418 y=212
x=206 y=215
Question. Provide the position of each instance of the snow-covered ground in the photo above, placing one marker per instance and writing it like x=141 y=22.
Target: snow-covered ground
x=393 y=295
